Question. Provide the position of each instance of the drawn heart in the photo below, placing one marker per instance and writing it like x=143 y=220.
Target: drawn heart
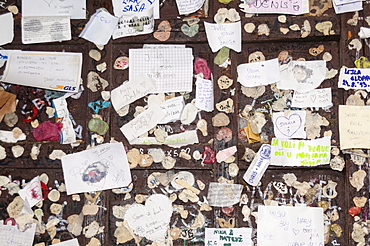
x=190 y=31
x=313 y=98
x=296 y=7
x=295 y=231
x=152 y=220
x=288 y=126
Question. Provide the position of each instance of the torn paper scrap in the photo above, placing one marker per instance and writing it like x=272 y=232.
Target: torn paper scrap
x=59 y=71
x=132 y=7
x=223 y=195
x=315 y=98
x=286 y=152
x=11 y=236
x=258 y=166
x=283 y=225
x=174 y=140
x=143 y=122
x=6 y=28
x=302 y=76
x=7 y=103
x=364 y=32
x=222 y=155
x=32 y=192
x=204 y=99
x=74 y=8
x=259 y=73
x=8 y=137
x=187 y=7
x=99 y=168
x=72 y=242
x=43 y=29
x=172 y=108
x=131 y=90
x=100 y=27
x=354 y=127
x=228 y=236
x=224 y=35
x=61 y=111
x=296 y=7
x=289 y=124
x=354 y=78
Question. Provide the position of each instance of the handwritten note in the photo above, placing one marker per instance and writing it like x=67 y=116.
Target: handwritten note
x=189 y=6
x=349 y=7
x=100 y=27
x=315 y=98
x=354 y=126
x=136 y=24
x=131 y=90
x=172 y=108
x=62 y=112
x=174 y=140
x=258 y=166
x=131 y=7
x=302 y=76
x=32 y=192
x=74 y=8
x=204 y=99
x=300 y=152
x=163 y=65
x=228 y=236
x=290 y=226
x=6 y=28
x=73 y=242
x=143 y=122
x=44 y=29
x=354 y=78
x=225 y=34
x=259 y=73
x=11 y=236
x=99 y=168
x=296 y=7
x=59 y=71
x=223 y=195
x=289 y=124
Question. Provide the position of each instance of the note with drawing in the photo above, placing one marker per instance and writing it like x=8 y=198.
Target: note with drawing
x=11 y=236
x=74 y=8
x=289 y=124
x=315 y=98
x=99 y=168
x=291 y=226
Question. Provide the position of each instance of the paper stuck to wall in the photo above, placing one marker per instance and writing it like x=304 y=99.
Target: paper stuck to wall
x=74 y=8
x=349 y=7
x=6 y=28
x=364 y=32
x=204 y=99
x=8 y=137
x=62 y=113
x=99 y=168
x=143 y=122
x=300 y=152
x=59 y=71
x=258 y=167
x=223 y=195
x=32 y=192
x=225 y=34
x=315 y=98
x=259 y=73
x=302 y=76
x=124 y=7
x=44 y=29
x=354 y=78
x=131 y=90
x=172 y=108
x=11 y=236
x=289 y=124
x=187 y=7
x=296 y=7
x=282 y=225
x=228 y=236
x=72 y=242
x=100 y=27
x=174 y=141
x=353 y=127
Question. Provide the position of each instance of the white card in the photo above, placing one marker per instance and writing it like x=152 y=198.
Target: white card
x=204 y=99
x=228 y=236
x=187 y=7
x=32 y=192
x=225 y=34
x=354 y=78
x=259 y=73
x=315 y=98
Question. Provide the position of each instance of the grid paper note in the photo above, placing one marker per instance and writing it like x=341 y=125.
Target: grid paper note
x=171 y=68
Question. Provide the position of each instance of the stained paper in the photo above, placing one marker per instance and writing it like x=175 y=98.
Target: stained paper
x=225 y=34
x=6 y=28
x=259 y=73
x=354 y=78
x=289 y=124
x=315 y=98
x=32 y=192
x=224 y=195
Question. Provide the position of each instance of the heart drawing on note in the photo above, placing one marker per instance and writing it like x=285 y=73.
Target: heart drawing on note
x=295 y=231
x=313 y=98
x=288 y=126
x=152 y=219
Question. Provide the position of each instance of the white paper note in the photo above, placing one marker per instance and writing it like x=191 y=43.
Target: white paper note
x=302 y=76
x=163 y=65
x=289 y=124
x=6 y=28
x=364 y=32
x=315 y=98
x=223 y=195
x=228 y=236
x=59 y=71
x=75 y=8
x=172 y=108
x=259 y=73
x=61 y=112
x=32 y=192
x=100 y=27
x=44 y=29
x=349 y=7
x=300 y=152
x=296 y=7
x=340 y=2
x=131 y=90
x=204 y=99
x=99 y=168
x=225 y=34
x=258 y=166
x=187 y=7
x=354 y=127
x=11 y=236
x=282 y=225
x=131 y=7
x=72 y=242
x=7 y=137
x=143 y=122
x=136 y=24
x=354 y=78
x=174 y=140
